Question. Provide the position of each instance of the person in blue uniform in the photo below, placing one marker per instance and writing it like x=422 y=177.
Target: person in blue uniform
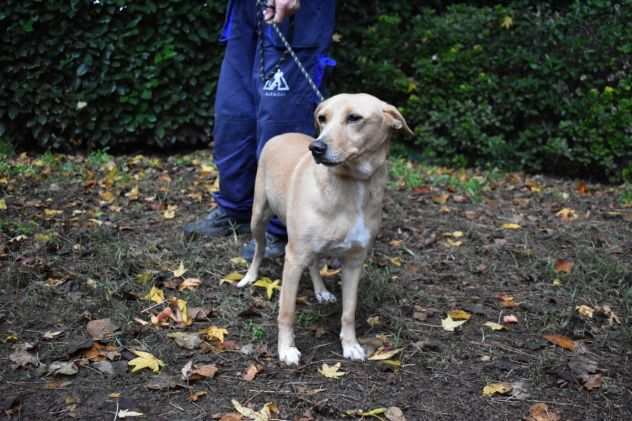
x=262 y=93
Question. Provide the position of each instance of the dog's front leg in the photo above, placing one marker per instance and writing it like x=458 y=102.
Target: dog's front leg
x=350 y=279
x=292 y=270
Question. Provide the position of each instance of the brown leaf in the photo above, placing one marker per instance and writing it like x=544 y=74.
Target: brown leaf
x=582 y=188
x=231 y=416
x=251 y=372
x=541 y=412
x=562 y=341
x=98 y=352
x=591 y=381
x=394 y=414
x=563 y=265
x=195 y=396
x=441 y=199
x=204 y=371
x=101 y=329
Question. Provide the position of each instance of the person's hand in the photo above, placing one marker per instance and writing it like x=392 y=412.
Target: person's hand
x=277 y=10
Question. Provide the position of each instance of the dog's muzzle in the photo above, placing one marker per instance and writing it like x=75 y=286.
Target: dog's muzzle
x=319 y=152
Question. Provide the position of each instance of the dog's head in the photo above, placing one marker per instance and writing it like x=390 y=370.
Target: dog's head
x=354 y=132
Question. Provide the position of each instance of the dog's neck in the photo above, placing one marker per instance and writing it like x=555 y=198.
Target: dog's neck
x=364 y=168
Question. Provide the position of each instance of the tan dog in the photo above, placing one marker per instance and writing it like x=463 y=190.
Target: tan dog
x=329 y=209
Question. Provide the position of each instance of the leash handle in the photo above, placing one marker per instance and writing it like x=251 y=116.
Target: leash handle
x=289 y=49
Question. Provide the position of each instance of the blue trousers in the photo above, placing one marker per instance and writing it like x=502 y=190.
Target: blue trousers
x=248 y=110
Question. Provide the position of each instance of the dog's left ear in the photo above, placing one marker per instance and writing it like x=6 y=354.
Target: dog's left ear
x=395 y=119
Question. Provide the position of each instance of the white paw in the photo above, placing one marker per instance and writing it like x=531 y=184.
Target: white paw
x=290 y=355
x=325 y=296
x=353 y=351
x=247 y=280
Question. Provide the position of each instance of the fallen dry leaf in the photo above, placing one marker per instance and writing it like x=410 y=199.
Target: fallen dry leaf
x=155 y=295
x=66 y=368
x=507 y=301
x=450 y=324
x=145 y=360
x=510 y=319
x=231 y=278
x=563 y=265
x=331 y=371
x=494 y=326
x=562 y=341
x=3 y=204
x=459 y=315
x=251 y=372
x=214 y=332
x=239 y=261
x=381 y=354
x=128 y=413
x=269 y=285
x=180 y=270
x=195 y=396
x=203 y=371
x=170 y=212
x=186 y=340
x=50 y=335
x=511 y=226
x=542 y=412
x=264 y=414
x=162 y=317
x=566 y=214
x=22 y=357
x=585 y=311
x=441 y=199
x=190 y=284
x=394 y=414
x=494 y=389
x=101 y=329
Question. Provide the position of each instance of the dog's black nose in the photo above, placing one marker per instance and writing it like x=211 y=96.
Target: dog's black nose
x=318 y=148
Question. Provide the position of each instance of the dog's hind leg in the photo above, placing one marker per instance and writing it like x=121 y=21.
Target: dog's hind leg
x=320 y=290
x=350 y=279
x=261 y=215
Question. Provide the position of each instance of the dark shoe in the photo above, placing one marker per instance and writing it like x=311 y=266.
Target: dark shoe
x=275 y=247
x=216 y=224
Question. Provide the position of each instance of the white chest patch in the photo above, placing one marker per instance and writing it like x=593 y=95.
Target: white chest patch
x=358 y=235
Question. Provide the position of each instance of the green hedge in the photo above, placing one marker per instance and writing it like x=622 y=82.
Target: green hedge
x=519 y=86
x=78 y=73
x=544 y=86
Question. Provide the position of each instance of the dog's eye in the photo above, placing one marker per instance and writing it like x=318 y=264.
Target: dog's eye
x=322 y=119
x=352 y=118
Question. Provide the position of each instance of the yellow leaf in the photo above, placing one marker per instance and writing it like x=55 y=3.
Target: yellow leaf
x=454 y=243
x=180 y=271
x=511 y=226
x=190 y=283
x=231 y=278
x=208 y=170
x=264 y=414
x=3 y=204
x=450 y=325
x=497 y=389
x=395 y=261
x=239 y=261
x=214 y=332
x=459 y=315
x=133 y=194
x=331 y=371
x=566 y=214
x=269 y=285
x=326 y=272
x=380 y=354
x=215 y=186
x=455 y=234
x=106 y=196
x=145 y=360
x=585 y=311
x=373 y=412
x=156 y=295
x=494 y=326
x=373 y=321
x=51 y=213
x=507 y=22
x=182 y=314
x=170 y=212
x=393 y=363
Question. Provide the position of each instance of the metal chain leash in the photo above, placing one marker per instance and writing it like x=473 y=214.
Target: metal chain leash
x=288 y=49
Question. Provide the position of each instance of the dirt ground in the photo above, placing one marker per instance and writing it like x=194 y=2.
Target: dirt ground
x=85 y=238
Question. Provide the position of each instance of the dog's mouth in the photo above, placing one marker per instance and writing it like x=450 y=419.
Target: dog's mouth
x=325 y=161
